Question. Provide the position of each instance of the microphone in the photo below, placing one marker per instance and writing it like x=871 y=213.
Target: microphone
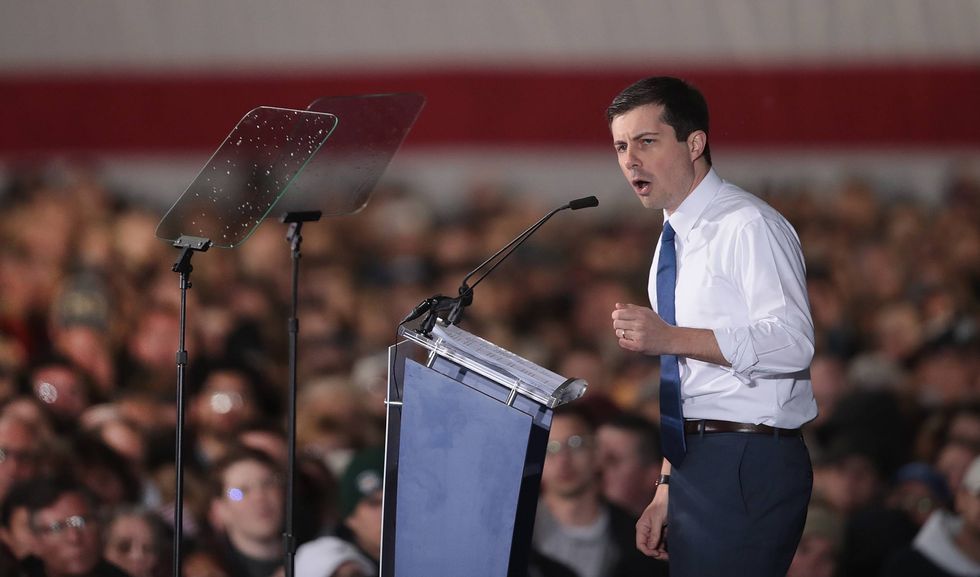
x=585 y=202
x=465 y=297
x=438 y=304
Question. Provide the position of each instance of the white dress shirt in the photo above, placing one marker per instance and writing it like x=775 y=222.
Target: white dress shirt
x=740 y=272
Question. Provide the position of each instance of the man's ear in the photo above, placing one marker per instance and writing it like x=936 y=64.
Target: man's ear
x=697 y=141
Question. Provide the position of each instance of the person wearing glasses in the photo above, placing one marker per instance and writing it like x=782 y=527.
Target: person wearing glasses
x=574 y=524
x=67 y=539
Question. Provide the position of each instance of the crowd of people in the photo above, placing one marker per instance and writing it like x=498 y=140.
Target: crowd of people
x=89 y=328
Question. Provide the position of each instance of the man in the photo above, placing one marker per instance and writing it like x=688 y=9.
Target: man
x=630 y=461
x=19 y=452
x=247 y=507
x=819 y=552
x=948 y=544
x=574 y=525
x=16 y=536
x=355 y=549
x=67 y=541
x=731 y=323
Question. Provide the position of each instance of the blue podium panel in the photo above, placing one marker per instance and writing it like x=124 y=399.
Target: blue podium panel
x=461 y=461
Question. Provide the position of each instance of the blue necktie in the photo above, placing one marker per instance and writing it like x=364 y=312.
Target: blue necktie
x=671 y=416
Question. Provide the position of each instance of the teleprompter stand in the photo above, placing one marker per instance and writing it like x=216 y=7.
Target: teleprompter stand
x=467 y=433
x=188 y=245
x=248 y=176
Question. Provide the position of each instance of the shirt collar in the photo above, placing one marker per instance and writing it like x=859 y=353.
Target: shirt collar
x=688 y=213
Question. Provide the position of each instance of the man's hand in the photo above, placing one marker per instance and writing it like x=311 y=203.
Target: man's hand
x=640 y=329
x=651 y=529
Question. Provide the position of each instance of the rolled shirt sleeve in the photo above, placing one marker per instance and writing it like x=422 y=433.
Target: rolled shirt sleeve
x=769 y=272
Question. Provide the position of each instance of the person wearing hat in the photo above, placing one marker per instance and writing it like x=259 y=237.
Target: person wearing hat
x=354 y=550
x=949 y=543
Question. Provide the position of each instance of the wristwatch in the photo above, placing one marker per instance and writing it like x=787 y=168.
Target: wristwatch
x=663 y=480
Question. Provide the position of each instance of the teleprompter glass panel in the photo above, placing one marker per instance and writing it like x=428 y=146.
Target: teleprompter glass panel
x=247 y=175
x=340 y=178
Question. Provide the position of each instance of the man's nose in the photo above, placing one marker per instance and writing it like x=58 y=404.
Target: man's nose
x=631 y=160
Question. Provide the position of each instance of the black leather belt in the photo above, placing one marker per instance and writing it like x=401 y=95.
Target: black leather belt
x=700 y=427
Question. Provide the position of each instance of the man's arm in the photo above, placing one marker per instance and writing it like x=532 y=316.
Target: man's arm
x=642 y=330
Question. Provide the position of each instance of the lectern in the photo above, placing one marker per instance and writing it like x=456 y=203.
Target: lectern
x=466 y=440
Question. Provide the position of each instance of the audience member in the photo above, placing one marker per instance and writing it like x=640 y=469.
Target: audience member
x=948 y=543
x=247 y=512
x=629 y=461
x=134 y=541
x=16 y=536
x=895 y=367
x=65 y=523
x=574 y=524
x=355 y=548
x=19 y=452
x=818 y=554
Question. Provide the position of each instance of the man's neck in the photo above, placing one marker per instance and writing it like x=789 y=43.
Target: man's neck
x=576 y=510
x=701 y=170
x=264 y=550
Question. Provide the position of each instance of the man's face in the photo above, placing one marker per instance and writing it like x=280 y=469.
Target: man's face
x=660 y=169
x=626 y=479
x=18 y=453
x=570 y=469
x=67 y=536
x=251 y=506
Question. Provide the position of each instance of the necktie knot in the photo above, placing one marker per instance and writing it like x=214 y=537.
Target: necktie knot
x=668 y=234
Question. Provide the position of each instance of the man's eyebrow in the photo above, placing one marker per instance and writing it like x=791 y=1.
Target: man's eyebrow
x=638 y=136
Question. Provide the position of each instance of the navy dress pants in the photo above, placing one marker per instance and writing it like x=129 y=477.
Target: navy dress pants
x=737 y=505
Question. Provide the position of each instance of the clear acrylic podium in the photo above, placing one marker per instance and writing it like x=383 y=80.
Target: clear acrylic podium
x=466 y=439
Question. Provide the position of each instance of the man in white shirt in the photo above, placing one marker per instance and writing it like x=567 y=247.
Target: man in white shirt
x=731 y=321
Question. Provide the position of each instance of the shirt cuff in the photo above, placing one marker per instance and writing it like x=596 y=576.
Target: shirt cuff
x=736 y=347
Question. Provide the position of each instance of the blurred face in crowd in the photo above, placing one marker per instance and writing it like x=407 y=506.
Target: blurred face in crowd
x=131 y=545
x=660 y=169
x=67 y=536
x=627 y=479
x=225 y=402
x=18 y=536
x=18 y=453
x=61 y=389
x=251 y=505
x=365 y=523
x=849 y=483
x=916 y=499
x=571 y=466
x=961 y=447
x=815 y=557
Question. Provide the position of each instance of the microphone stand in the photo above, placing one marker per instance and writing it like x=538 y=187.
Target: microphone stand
x=455 y=306
x=188 y=245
